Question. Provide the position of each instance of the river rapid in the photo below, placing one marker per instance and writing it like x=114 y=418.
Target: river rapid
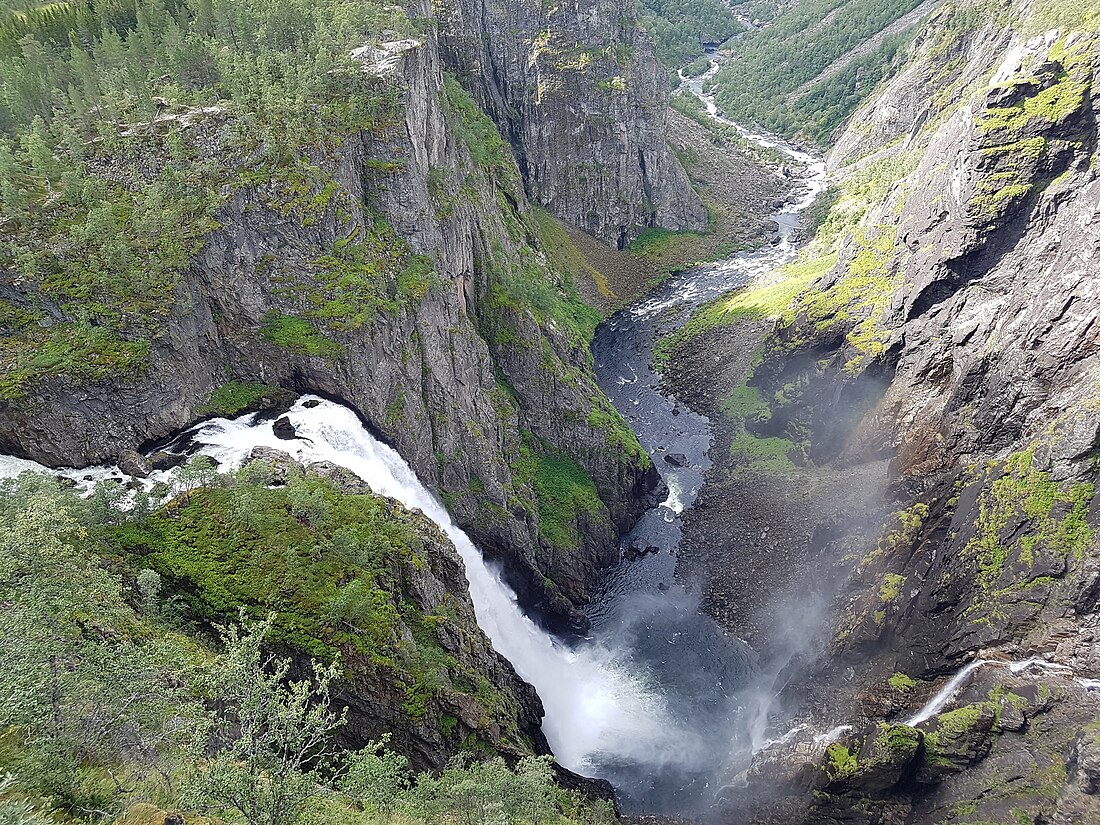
x=659 y=700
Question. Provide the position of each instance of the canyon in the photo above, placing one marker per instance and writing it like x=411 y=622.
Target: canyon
x=804 y=533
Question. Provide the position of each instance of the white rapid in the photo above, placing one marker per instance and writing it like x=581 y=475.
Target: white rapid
x=595 y=706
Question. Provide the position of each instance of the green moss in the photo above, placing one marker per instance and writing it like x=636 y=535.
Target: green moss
x=332 y=567
x=564 y=255
x=618 y=434
x=900 y=531
x=864 y=289
x=900 y=739
x=840 y=762
x=370 y=272
x=745 y=403
x=236 y=397
x=299 y=336
x=522 y=284
x=1056 y=516
x=315 y=556
x=1013 y=163
x=1050 y=105
x=891 y=586
x=901 y=682
x=656 y=241
x=951 y=727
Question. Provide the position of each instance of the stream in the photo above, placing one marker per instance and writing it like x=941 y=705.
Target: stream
x=640 y=608
x=659 y=700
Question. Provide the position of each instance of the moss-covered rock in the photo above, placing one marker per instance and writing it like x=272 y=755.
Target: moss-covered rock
x=349 y=575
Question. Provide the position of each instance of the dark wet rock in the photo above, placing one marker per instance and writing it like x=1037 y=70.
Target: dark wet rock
x=638 y=550
x=134 y=464
x=313 y=403
x=676 y=459
x=1088 y=760
x=162 y=461
x=284 y=430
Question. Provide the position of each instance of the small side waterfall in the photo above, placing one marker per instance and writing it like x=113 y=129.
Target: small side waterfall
x=956 y=683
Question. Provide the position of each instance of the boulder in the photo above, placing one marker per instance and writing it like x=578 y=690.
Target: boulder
x=284 y=430
x=956 y=740
x=134 y=464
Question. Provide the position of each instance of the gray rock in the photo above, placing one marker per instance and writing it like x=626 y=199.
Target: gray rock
x=577 y=88
x=134 y=464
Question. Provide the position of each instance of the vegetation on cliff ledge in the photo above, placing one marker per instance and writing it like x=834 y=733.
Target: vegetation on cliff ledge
x=124 y=125
x=120 y=705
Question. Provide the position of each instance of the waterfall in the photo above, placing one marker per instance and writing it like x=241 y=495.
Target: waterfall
x=596 y=704
x=956 y=683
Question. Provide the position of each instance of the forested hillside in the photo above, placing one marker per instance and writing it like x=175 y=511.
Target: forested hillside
x=124 y=127
x=682 y=27
x=804 y=72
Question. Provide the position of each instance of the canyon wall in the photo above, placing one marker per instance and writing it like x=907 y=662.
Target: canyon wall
x=467 y=351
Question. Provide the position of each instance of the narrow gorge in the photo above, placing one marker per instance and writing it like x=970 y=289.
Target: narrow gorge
x=588 y=412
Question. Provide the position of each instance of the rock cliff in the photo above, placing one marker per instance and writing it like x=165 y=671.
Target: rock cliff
x=577 y=90
x=955 y=337
x=399 y=268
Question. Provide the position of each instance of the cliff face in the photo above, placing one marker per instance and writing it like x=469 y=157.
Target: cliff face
x=577 y=90
x=956 y=336
x=399 y=270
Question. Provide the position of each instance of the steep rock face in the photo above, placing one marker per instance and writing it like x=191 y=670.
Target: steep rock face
x=263 y=300
x=957 y=336
x=578 y=92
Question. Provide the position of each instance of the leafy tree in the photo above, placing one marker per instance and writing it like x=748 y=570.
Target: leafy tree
x=76 y=684
x=271 y=738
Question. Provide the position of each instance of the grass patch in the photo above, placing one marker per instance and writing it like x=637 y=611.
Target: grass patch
x=237 y=397
x=299 y=336
x=751 y=452
x=771 y=301
x=564 y=491
x=487 y=148
x=79 y=350
x=564 y=255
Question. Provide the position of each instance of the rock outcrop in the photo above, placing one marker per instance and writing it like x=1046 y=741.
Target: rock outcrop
x=357 y=575
x=578 y=92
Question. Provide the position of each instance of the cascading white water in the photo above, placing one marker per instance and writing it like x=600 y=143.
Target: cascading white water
x=594 y=704
x=955 y=684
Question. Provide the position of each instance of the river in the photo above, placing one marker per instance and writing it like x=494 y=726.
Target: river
x=659 y=700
